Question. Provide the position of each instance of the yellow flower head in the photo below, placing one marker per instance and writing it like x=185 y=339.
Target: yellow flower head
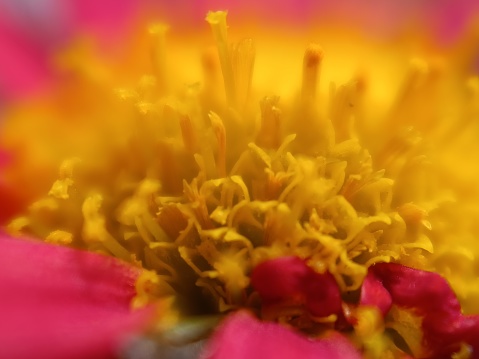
x=200 y=182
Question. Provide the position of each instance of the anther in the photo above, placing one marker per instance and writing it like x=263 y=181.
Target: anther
x=217 y=21
x=311 y=70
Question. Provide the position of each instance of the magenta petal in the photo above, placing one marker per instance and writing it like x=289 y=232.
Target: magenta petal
x=107 y=19
x=429 y=295
x=291 y=280
x=58 y=303
x=242 y=336
x=23 y=64
x=373 y=293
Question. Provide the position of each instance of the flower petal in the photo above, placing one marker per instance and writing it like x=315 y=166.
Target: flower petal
x=23 y=64
x=106 y=19
x=242 y=336
x=373 y=293
x=11 y=196
x=290 y=280
x=58 y=302
x=32 y=32
x=429 y=296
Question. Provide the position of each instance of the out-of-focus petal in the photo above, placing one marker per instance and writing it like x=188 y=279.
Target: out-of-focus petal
x=62 y=303
x=429 y=296
x=11 y=201
x=242 y=336
x=23 y=63
x=53 y=22
x=290 y=280
x=31 y=32
x=107 y=19
x=450 y=18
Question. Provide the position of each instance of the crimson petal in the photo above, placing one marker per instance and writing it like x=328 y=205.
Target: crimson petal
x=58 y=303
x=373 y=293
x=428 y=295
x=291 y=280
x=242 y=336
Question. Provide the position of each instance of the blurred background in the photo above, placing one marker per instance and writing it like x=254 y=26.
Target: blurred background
x=32 y=30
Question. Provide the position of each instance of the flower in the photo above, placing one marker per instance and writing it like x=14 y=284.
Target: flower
x=291 y=211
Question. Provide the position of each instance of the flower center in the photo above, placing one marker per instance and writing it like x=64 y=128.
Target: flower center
x=198 y=188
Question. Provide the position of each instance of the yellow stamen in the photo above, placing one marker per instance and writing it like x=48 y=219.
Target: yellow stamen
x=243 y=56
x=311 y=71
x=220 y=134
x=217 y=21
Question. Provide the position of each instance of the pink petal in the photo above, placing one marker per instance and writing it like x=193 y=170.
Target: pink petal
x=107 y=19
x=450 y=18
x=428 y=295
x=373 y=293
x=290 y=280
x=32 y=32
x=58 y=303
x=242 y=336
x=23 y=64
